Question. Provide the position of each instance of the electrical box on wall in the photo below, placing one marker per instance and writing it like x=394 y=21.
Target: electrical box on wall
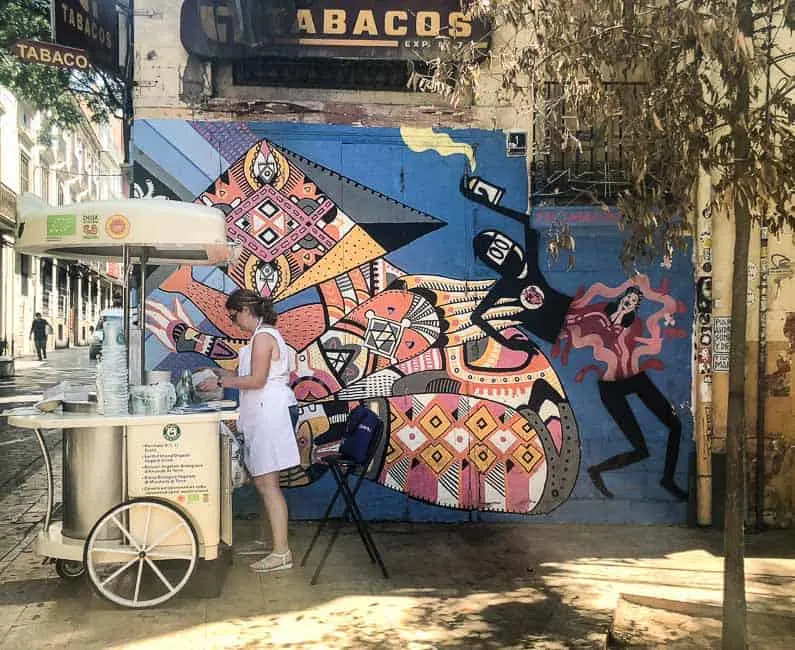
x=516 y=143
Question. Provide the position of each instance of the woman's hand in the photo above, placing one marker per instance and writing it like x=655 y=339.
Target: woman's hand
x=218 y=372
x=208 y=385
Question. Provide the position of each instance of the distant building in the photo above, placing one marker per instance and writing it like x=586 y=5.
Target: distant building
x=76 y=166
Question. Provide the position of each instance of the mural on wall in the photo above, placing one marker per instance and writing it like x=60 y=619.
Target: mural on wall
x=611 y=328
x=478 y=417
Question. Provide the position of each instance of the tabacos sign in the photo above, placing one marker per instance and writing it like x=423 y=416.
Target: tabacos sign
x=91 y=25
x=238 y=29
x=51 y=54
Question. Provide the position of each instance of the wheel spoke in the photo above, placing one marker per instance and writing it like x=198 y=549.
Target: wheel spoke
x=119 y=550
x=119 y=571
x=162 y=555
x=159 y=574
x=166 y=535
x=121 y=527
x=146 y=526
x=138 y=579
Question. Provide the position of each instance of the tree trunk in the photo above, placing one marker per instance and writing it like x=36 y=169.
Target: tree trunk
x=734 y=564
x=734 y=626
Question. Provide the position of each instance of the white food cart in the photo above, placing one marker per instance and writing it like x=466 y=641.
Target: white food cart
x=145 y=498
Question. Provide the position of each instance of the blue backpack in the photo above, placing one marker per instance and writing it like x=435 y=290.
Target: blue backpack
x=363 y=426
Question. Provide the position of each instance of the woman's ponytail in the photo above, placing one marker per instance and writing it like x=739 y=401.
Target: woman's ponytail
x=259 y=305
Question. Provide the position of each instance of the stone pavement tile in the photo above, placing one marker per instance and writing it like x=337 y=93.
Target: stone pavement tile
x=9 y=615
x=37 y=637
x=519 y=618
x=91 y=623
x=637 y=625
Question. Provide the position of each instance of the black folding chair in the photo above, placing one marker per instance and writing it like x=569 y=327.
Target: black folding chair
x=342 y=469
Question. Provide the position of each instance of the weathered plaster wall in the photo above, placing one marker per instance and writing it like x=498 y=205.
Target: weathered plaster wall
x=778 y=312
x=172 y=83
x=780 y=383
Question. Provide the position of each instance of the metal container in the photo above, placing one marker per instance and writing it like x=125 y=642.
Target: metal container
x=92 y=478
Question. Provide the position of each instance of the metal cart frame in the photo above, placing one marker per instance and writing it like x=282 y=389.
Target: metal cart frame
x=144 y=550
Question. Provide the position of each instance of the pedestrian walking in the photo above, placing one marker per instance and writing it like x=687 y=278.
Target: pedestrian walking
x=39 y=332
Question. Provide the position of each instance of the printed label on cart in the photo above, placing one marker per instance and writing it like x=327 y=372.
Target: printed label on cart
x=171 y=432
x=169 y=469
x=117 y=226
x=185 y=470
x=61 y=225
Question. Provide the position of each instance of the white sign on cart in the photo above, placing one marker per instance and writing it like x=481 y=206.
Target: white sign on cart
x=180 y=462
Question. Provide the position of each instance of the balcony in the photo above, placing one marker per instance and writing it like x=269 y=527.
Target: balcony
x=8 y=208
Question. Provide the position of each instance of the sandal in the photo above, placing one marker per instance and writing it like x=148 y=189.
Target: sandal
x=273 y=562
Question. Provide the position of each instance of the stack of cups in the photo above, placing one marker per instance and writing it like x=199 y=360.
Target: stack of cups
x=114 y=376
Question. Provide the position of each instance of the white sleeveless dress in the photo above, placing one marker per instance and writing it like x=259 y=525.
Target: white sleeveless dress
x=269 y=443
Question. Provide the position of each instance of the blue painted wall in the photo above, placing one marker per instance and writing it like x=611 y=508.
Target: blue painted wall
x=187 y=158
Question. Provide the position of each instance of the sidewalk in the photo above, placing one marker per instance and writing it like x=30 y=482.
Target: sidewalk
x=452 y=586
x=471 y=585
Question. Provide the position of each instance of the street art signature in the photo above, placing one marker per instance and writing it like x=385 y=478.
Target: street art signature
x=476 y=414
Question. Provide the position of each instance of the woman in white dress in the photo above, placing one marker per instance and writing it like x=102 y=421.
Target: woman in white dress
x=268 y=410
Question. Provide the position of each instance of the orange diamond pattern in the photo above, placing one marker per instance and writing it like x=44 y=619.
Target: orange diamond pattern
x=435 y=422
x=521 y=427
x=393 y=453
x=527 y=456
x=482 y=457
x=437 y=456
x=481 y=423
x=397 y=420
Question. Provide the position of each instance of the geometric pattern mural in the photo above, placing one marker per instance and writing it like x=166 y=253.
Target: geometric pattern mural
x=477 y=415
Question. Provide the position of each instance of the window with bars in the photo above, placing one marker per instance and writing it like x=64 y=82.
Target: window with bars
x=24 y=172
x=46 y=283
x=342 y=74
x=23 y=264
x=597 y=168
x=62 y=307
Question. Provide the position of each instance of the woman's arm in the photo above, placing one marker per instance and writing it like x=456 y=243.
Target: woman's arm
x=262 y=347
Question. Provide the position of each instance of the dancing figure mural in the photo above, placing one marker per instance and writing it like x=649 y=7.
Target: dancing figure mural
x=611 y=328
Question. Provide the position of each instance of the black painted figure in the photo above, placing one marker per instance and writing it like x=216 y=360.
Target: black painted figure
x=609 y=327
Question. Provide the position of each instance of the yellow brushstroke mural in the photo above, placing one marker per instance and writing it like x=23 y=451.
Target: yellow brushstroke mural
x=424 y=139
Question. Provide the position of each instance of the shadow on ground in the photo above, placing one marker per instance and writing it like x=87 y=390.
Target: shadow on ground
x=452 y=586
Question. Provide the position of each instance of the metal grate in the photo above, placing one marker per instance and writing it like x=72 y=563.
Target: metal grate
x=333 y=74
x=598 y=168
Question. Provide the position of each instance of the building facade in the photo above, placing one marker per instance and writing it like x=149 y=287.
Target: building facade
x=390 y=228
x=74 y=166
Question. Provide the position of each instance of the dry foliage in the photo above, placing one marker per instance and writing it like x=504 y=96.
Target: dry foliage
x=684 y=115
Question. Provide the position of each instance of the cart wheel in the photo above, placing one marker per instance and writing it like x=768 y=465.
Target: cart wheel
x=141 y=553
x=69 y=569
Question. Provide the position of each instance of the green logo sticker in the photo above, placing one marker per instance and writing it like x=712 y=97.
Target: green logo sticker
x=171 y=432
x=61 y=225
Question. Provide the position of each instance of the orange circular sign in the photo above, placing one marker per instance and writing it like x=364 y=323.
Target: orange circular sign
x=117 y=226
